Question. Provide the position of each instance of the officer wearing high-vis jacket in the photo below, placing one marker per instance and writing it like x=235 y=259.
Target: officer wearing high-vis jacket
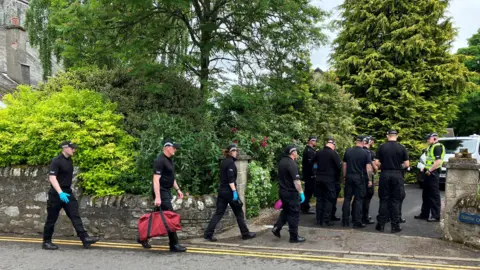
x=431 y=201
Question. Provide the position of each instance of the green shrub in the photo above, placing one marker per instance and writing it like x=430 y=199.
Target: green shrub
x=197 y=162
x=138 y=93
x=35 y=122
x=273 y=194
x=258 y=189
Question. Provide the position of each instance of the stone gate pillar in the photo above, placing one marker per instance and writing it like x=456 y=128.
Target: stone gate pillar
x=461 y=200
x=242 y=177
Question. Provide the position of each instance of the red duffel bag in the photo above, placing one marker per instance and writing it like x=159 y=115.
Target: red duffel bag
x=158 y=223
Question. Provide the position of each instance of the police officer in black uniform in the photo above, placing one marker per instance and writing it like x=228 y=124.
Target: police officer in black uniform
x=357 y=169
x=227 y=195
x=307 y=173
x=366 y=218
x=392 y=159
x=291 y=194
x=163 y=181
x=327 y=165
x=61 y=196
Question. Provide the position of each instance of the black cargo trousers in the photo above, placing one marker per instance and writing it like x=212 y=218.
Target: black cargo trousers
x=390 y=191
x=354 y=187
x=225 y=198
x=290 y=212
x=326 y=194
x=54 y=206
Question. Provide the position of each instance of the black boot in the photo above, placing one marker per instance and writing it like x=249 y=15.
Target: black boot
x=334 y=218
x=420 y=217
x=380 y=227
x=210 y=238
x=346 y=223
x=402 y=220
x=433 y=219
x=177 y=248
x=327 y=224
x=396 y=229
x=144 y=243
x=369 y=220
x=88 y=240
x=49 y=245
x=359 y=226
x=249 y=235
x=276 y=232
x=297 y=239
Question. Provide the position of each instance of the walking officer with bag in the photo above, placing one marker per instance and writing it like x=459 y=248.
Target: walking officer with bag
x=291 y=194
x=307 y=173
x=357 y=170
x=227 y=195
x=327 y=167
x=61 y=196
x=392 y=160
x=163 y=182
x=431 y=201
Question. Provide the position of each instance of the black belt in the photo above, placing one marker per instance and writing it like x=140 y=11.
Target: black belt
x=391 y=170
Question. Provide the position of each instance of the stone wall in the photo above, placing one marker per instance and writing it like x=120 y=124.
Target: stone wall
x=23 y=196
x=461 y=197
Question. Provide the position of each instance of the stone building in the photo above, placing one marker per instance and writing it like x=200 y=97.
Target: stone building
x=19 y=62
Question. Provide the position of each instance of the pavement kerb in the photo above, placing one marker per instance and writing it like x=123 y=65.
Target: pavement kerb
x=349 y=252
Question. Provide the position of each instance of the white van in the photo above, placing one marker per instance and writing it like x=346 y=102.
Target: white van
x=452 y=146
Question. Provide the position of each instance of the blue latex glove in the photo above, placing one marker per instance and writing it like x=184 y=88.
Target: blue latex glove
x=64 y=197
x=235 y=195
x=302 y=197
x=315 y=166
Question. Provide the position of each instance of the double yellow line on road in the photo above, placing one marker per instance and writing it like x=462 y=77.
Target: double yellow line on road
x=267 y=255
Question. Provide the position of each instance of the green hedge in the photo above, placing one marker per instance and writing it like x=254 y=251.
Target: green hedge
x=259 y=187
x=35 y=122
x=196 y=163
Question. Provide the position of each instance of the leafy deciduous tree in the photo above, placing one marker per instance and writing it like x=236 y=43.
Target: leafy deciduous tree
x=204 y=36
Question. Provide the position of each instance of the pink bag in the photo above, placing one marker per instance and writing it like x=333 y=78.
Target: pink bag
x=278 y=205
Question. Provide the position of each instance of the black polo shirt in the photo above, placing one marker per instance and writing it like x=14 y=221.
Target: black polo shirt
x=287 y=174
x=307 y=162
x=228 y=174
x=62 y=168
x=391 y=156
x=357 y=160
x=164 y=167
x=369 y=153
x=328 y=162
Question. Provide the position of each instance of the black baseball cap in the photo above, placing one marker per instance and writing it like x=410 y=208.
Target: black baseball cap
x=312 y=138
x=170 y=142
x=232 y=147
x=289 y=149
x=392 y=132
x=360 y=138
x=429 y=135
x=66 y=144
x=330 y=140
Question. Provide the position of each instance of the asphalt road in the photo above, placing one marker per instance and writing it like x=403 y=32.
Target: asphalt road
x=70 y=256
x=411 y=207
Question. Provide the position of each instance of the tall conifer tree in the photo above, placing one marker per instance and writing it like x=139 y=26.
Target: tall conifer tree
x=393 y=56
